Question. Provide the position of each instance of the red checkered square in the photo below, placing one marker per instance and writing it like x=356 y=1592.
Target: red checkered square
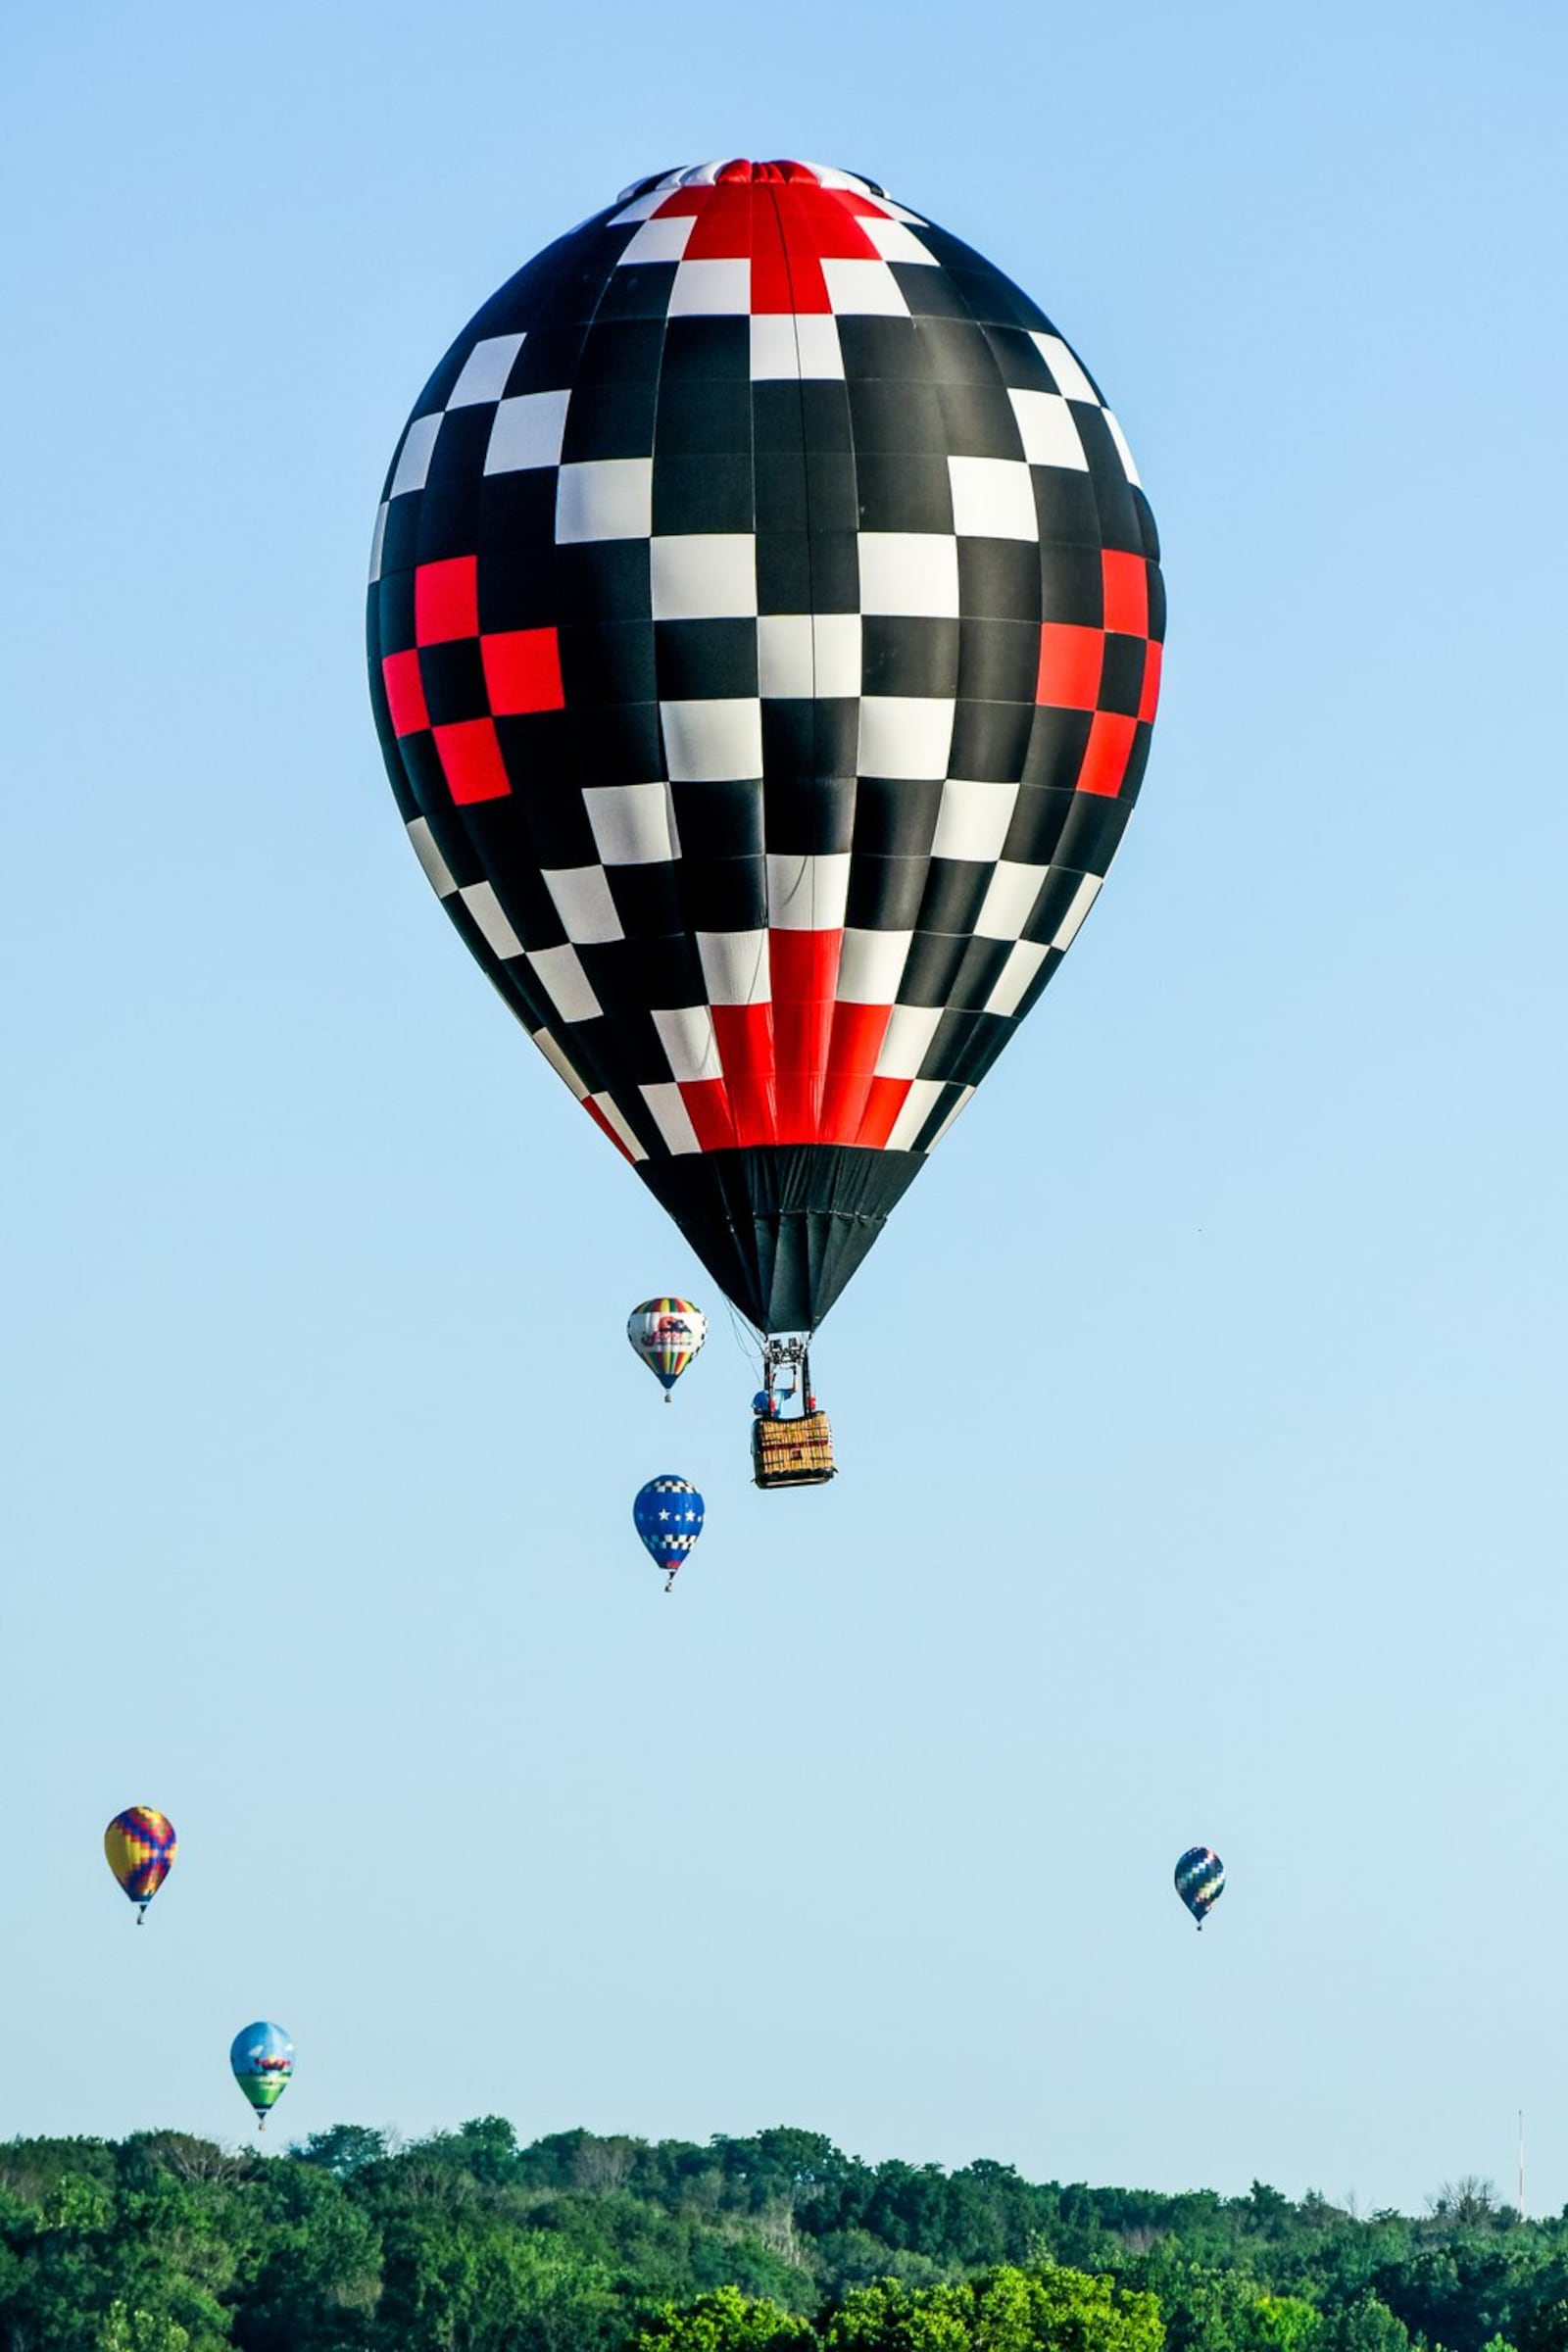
x=1126 y=580
x=471 y=760
x=1070 y=662
x=405 y=692
x=1148 y=700
x=445 y=600
x=522 y=671
x=723 y=230
x=1110 y=745
x=706 y=1104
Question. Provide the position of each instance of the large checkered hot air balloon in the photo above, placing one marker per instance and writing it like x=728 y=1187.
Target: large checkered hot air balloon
x=764 y=633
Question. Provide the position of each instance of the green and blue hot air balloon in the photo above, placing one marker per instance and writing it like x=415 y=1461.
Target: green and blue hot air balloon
x=261 y=2056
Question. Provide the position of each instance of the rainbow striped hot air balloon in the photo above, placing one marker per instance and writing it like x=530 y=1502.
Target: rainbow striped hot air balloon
x=140 y=1845
x=666 y=1333
x=261 y=2056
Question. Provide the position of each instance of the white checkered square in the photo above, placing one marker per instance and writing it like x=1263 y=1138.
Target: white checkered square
x=1048 y=431
x=894 y=242
x=584 y=904
x=690 y=1045
x=973 y=819
x=634 y=824
x=713 y=743
x=560 y=973
x=805 y=344
x=663 y=240
x=937 y=1133
x=485 y=371
x=871 y=965
x=605 y=498
x=437 y=872
x=802 y=655
x=809 y=894
x=705 y=576
x=378 y=540
x=487 y=912
x=1071 y=923
x=668 y=1109
x=863 y=289
x=735 y=966
x=1122 y=450
x=711 y=289
x=1012 y=981
x=414 y=458
x=907 y=1040
x=1070 y=378
x=909 y=572
x=1010 y=901
x=904 y=736
x=641 y=207
x=918 y=1104
x=527 y=432
x=993 y=497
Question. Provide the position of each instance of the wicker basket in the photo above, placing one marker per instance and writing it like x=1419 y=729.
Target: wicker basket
x=796 y=1453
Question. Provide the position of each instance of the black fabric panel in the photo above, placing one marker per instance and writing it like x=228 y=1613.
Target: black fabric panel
x=781 y=1228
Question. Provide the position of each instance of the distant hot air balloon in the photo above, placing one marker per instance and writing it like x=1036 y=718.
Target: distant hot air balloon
x=668 y=1516
x=263 y=2059
x=140 y=1844
x=1200 y=1880
x=666 y=1333
x=764 y=636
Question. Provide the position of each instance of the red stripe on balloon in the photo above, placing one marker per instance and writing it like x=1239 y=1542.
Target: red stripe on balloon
x=745 y=1037
x=805 y=968
x=852 y=1048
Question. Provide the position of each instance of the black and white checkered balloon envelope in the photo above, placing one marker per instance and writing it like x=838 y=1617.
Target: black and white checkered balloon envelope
x=764 y=631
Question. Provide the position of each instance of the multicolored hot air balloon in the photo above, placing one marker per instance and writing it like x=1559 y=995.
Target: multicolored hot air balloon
x=666 y=1333
x=668 y=1516
x=1200 y=1880
x=263 y=2059
x=764 y=638
x=140 y=1845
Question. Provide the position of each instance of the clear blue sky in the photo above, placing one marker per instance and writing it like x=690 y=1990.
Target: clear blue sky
x=1225 y=1506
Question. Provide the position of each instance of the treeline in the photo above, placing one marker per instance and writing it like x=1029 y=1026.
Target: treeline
x=468 y=2243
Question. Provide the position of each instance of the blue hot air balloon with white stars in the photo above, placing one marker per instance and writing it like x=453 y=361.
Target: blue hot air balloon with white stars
x=668 y=1516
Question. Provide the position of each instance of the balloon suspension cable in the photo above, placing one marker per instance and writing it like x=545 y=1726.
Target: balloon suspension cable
x=745 y=1336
